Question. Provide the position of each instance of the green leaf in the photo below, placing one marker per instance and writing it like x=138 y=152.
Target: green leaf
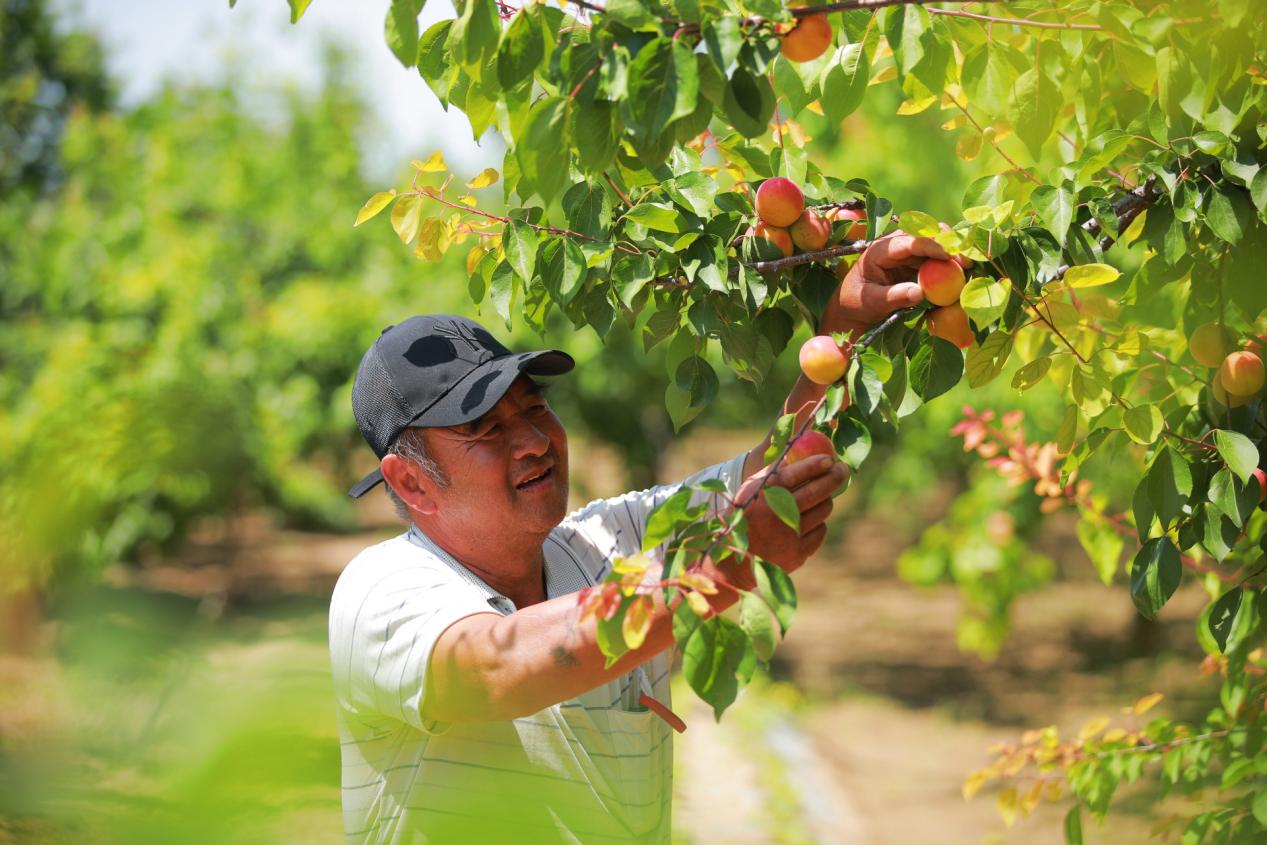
x=665 y=518
x=374 y=205
x=984 y=299
x=407 y=217
x=919 y=224
x=1143 y=423
x=1034 y=107
x=935 y=368
x=696 y=377
x=1169 y=482
x=783 y=503
x=434 y=59
x=297 y=9
x=748 y=103
x=1155 y=574
x=501 y=290
x=519 y=241
x=722 y=38
x=844 y=81
x=989 y=72
x=1068 y=431
x=522 y=48
x=594 y=130
x=663 y=85
x=1218 y=533
x=1228 y=213
x=588 y=207
x=562 y=266
x=852 y=439
x=659 y=216
x=631 y=13
x=1258 y=191
x=717 y=661
x=776 y=587
x=475 y=34
x=1103 y=544
x=1223 y=614
x=402 y=30
x=1238 y=451
x=1031 y=374
x=1055 y=207
x=755 y=619
x=988 y=359
x=779 y=437
x=1073 y=825
x=1234 y=500
x=1260 y=806
x=866 y=386
x=542 y=148
x=1090 y=275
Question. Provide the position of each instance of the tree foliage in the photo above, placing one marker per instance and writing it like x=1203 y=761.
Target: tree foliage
x=1124 y=207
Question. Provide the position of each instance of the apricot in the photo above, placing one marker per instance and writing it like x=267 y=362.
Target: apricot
x=858 y=230
x=810 y=231
x=1256 y=344
x=779 y=202
x=951 y=323
x=773 y=235
x=1242 y=374
x=809 y=444
x=1226 y=399
x=822 y=361
x=808 y=40
x=1209 y=343
x=942 y=281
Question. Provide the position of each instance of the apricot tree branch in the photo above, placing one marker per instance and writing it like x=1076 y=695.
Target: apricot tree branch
x=848 y=248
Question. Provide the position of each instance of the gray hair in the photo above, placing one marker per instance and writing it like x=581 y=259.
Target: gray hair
x=410 y=446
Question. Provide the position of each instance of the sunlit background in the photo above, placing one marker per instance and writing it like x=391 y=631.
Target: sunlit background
x=183 y=302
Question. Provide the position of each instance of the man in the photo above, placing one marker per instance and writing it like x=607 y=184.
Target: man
x=473 y=704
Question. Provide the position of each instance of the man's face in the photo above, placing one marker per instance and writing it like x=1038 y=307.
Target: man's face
x=508 y=470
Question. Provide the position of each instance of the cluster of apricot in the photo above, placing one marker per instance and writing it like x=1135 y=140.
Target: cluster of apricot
x=1240 y=374
x=942 y=282
x=785 y=222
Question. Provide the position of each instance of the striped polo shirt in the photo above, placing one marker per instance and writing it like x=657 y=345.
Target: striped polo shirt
x=595 y=769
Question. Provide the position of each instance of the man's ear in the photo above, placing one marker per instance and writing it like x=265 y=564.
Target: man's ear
x=409 y=483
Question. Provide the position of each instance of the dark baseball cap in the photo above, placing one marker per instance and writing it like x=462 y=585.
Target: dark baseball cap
x=433 y=371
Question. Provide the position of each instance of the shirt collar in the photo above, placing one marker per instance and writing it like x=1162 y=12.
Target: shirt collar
x=496 y=600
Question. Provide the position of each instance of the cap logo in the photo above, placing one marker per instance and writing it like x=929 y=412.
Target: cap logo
x=462 y=334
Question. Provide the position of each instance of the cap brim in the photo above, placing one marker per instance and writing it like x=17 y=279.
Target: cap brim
x=475 y=395
x=366 y=484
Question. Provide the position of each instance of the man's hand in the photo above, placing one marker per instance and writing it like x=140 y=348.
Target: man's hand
x=879 y=283
x=812 y=483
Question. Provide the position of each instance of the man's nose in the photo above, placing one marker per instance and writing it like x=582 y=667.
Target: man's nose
x=530 y=441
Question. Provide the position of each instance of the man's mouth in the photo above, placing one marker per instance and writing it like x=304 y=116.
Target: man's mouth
x=536 y=479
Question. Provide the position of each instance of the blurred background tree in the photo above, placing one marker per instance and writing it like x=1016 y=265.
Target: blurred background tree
x=183 y=301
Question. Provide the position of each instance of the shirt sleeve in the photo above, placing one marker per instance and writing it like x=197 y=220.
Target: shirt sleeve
x=383 y=628
x=617 y=525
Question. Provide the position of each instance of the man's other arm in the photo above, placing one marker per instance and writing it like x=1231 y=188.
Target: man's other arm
x=488 y=667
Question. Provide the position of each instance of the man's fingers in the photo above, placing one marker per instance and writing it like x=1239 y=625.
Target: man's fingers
x=900 y=250
x=815 y=516
x=820 y=489
x=793 y=476
x=812 y=540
